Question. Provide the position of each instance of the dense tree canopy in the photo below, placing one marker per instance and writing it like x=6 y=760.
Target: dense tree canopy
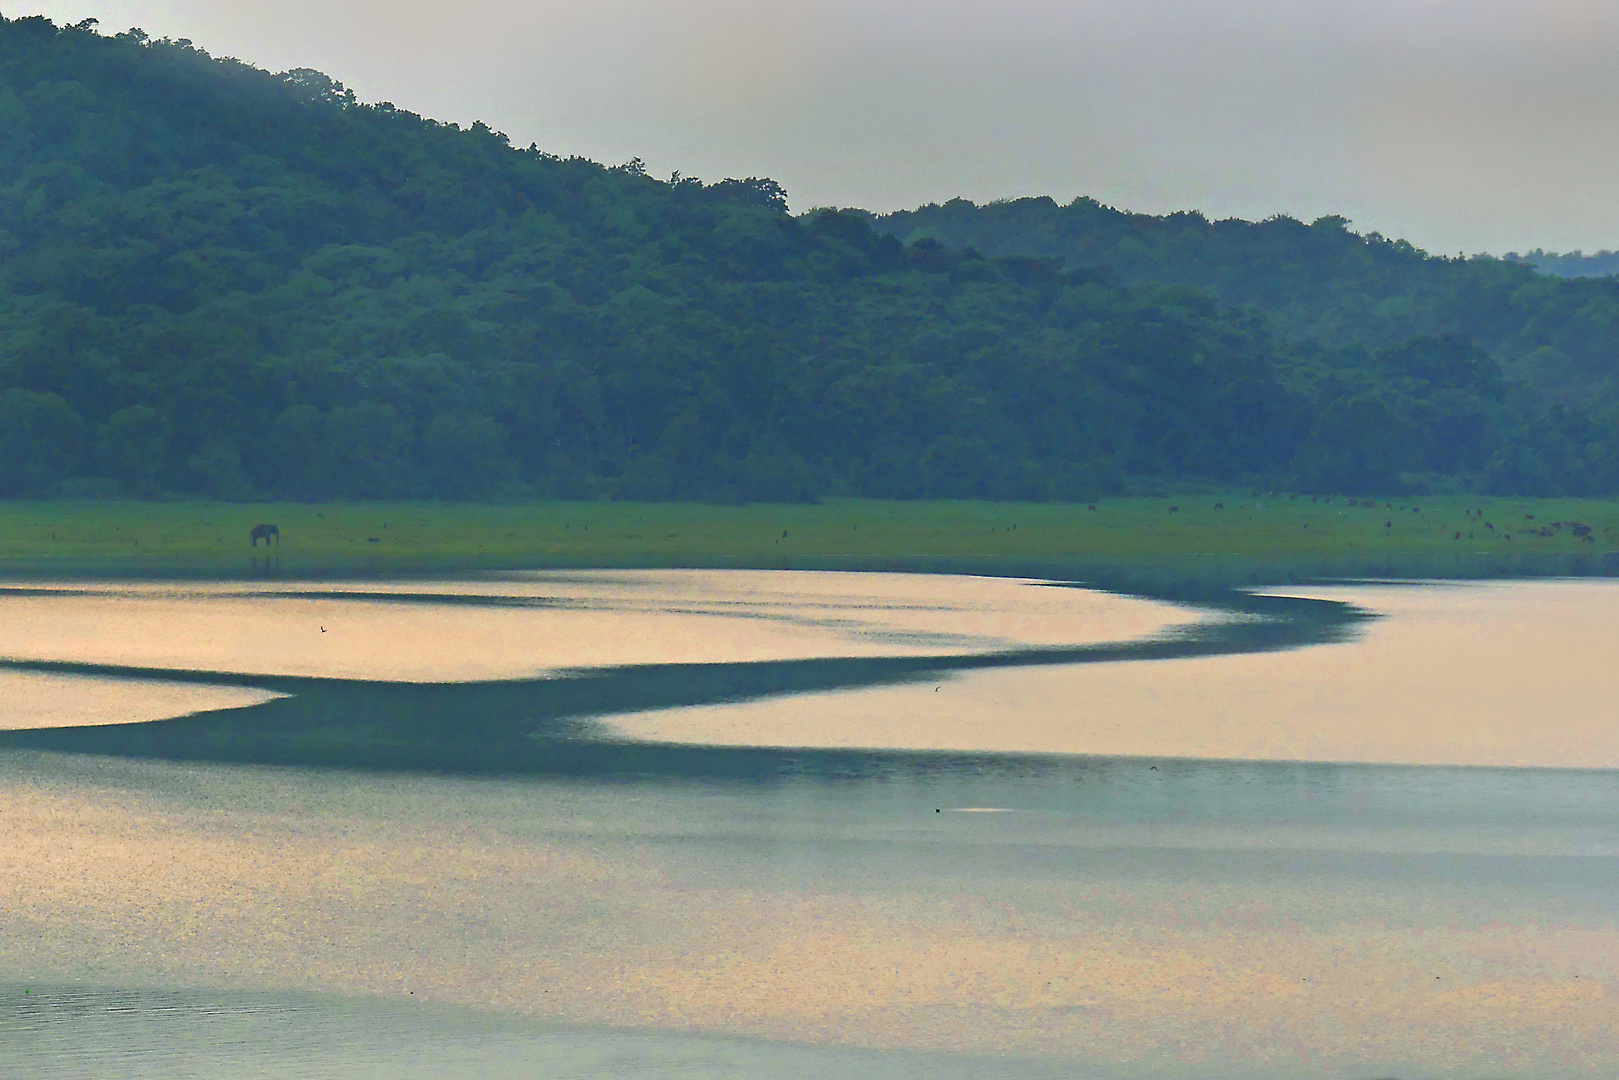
x=220 y=281
x=1571 y=264
x=1322 y=282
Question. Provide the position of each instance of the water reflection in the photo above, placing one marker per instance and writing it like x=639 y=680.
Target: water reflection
x=1120 y=916
x=78 y=1033
x=1502 y=673
x=31 y=699
x=1209 y=919
x=527 y=625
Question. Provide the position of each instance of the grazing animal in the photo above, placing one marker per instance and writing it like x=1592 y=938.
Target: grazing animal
x=1490 y=525
x=1092 y=506
x=1219 y=506
x=265 y=533
x=1174 y=509
x=1458 y=536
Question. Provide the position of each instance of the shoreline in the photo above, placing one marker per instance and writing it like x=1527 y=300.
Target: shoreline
x=197 y=539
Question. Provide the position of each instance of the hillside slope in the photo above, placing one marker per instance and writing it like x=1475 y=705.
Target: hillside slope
x=1322 y=282
x=216 y=280
x=224 y=281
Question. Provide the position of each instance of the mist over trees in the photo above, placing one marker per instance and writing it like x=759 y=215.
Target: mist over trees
x=1353 y=310
x=218 y=281
x=1572 y=264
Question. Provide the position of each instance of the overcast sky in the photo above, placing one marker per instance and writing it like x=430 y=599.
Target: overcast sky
x=1463 y=125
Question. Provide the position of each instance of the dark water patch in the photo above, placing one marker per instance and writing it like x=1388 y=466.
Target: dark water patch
x=102 y=1033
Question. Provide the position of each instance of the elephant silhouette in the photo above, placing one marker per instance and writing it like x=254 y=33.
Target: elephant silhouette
x=264 y=532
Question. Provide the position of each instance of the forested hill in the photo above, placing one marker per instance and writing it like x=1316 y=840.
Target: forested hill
x=1573 y=264
x=1323 y=282
x=219 y=281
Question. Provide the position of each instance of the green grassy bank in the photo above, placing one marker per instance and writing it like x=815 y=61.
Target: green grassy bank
x=537 y=534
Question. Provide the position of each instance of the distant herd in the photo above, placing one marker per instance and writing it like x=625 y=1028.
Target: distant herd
x=1577 y=529
x=270 y=533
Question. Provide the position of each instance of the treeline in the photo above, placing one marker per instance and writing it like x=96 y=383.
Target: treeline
x=219 y=281
x=1542 y=418
x=1571 y=264
x=1556 y=340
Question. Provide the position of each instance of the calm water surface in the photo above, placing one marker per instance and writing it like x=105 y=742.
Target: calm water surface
x=1500 y=673
x=1164 y=893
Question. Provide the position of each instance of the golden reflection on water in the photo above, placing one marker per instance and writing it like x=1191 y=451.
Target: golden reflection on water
x=40 y=700
x=1511 y=674
x=853 y=913
x=573 y=620
x=674 y=908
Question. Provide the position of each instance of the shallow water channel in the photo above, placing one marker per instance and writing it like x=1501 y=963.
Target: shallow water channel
x=775 y=824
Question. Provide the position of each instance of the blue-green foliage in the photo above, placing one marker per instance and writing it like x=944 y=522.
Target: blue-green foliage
x=1573 y=264
x=1368 y=319
x=220 y=281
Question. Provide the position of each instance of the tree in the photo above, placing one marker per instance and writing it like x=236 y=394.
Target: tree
x=1357 y=445
x=41 y=442
x=465 y=454
x=132 y=448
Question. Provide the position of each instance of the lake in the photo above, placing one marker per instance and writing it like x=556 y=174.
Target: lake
x=778 y=824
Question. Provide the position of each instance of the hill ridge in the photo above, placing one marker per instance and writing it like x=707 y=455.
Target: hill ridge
x=219 y=281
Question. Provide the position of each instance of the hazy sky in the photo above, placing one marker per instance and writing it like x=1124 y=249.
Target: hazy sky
x=1464 y=125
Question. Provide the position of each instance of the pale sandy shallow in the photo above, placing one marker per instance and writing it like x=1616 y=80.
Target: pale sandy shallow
x=835 y=914
x=1515 y=674
x=37 y=700
x=588 y=619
